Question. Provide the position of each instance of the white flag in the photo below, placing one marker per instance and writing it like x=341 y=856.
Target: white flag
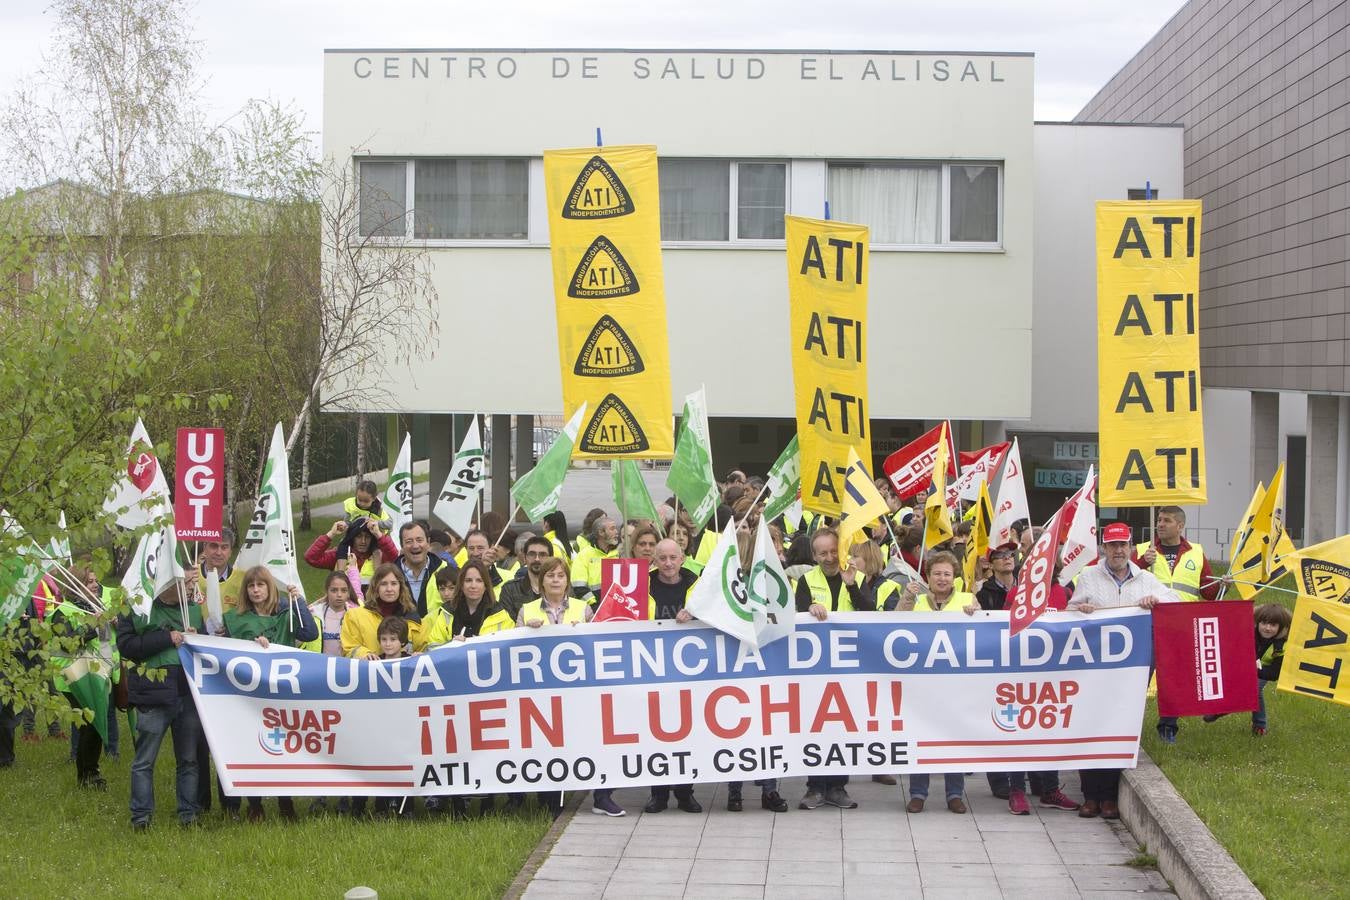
x=1080 y=545
x=719 y=598
x=1012 y=499
x=458 y=499
x=215 y=613
x=20 y=570
x=58 y=549
x=141 y=495
x=966 y=486
x=270 y=539
x=398 y=496
x=769 y=588
x=152 y=569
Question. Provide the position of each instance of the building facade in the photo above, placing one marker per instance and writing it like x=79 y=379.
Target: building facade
x=982 y=294
x=1262 y=91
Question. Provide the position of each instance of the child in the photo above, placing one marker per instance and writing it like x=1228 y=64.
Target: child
x=392 y=634
x=1272 y=630
x=328 y=614
x=261 y=615
x=365 y=503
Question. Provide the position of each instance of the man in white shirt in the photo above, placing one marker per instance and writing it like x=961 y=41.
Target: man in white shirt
x=1114 y=582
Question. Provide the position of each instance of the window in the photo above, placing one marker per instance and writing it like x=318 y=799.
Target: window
x=722 y=200
x=974 y=204
x=899 y=203
x=384 y=195
x=761 y=200
x=474 y=199
x=695 y=199
x=920 y=204
x=457 y=199
x=1148 y=193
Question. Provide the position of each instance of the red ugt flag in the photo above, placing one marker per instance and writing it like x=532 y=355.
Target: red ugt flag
x=199 y=488
x=1206 y=656
x=625 y=588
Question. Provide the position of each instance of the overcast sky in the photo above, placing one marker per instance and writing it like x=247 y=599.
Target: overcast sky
x=273 y=48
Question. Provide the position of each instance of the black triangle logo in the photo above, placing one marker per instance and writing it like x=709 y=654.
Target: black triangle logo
x=613 y=430
x=598 y=193
x=603 y=273
x=608 y=352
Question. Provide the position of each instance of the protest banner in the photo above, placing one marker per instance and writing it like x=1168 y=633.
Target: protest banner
x=1148 y=353
x=828 y=271
x=199 y=488
x=1322 y=570
x=641 y=703
x=605 y=231
x=1317 y=653
x=1206 y=656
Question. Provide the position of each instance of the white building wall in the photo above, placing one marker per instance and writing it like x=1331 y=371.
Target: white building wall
x=1077 y=165
x=933 y=312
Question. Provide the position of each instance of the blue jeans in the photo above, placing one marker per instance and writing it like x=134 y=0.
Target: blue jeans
x=1259 y=717
x=151 y=723
x=953 y=782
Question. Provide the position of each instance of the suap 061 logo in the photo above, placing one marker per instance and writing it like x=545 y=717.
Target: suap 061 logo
x=1026 y=705
x=298 y=731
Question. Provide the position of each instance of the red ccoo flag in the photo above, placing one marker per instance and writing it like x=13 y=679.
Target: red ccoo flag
x=910 y=469
x=1031 y=597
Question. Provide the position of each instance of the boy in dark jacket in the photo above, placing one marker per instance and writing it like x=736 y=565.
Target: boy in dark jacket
x=162 y=704
x=1272 y=630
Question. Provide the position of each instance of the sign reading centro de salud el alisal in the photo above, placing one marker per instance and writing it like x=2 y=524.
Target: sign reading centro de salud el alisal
x=666 y=66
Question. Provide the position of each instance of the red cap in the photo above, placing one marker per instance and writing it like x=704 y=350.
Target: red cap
x=1116 y=531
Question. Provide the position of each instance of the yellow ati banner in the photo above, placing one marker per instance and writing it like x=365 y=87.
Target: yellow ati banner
x=1148 y=353
x=605 y=228
x=1317 y=653
x=827 y=288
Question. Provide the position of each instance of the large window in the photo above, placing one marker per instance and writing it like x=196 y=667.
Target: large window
x=722 y=200
x=480 y=199
x=384 y=195
x=920 y=204
x=455 y=199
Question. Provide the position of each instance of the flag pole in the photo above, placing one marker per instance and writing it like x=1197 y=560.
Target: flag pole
x=507 y=526
x=623 y=510
x=758 y=497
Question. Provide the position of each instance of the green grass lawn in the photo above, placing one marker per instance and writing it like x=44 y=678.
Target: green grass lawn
x=64 y=842
x=1278 y=803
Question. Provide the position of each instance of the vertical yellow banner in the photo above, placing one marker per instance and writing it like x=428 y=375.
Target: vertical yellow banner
x=1148 y=353
x=828 y=270
x=605 y=229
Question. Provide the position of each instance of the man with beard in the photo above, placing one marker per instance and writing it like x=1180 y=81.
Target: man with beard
x=525 y=587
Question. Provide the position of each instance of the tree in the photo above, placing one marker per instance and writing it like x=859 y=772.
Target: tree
x=113 y=108
x=75 y=379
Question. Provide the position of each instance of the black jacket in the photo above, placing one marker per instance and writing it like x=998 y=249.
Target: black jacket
x=138 y=647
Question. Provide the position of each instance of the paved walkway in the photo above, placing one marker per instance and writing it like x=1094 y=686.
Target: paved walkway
x=874 y=851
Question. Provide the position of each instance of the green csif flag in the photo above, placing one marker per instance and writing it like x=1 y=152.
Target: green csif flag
x=784 y=482
x=88 y=678
x=691 y=472
x=538 y=490
x=630 y=493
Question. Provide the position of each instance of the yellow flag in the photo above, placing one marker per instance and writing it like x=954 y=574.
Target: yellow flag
x=979 y=533
x=828 y=271
x=937 y=521
x=1240 y=540
x=1253 y=545
x=862 y=502
x=1148 y=353
x=605 y=231
x=1317 y=653
x=1322 y=570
